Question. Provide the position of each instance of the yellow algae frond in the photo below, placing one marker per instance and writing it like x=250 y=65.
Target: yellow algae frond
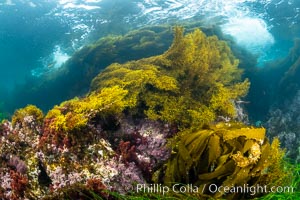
x=189 y=85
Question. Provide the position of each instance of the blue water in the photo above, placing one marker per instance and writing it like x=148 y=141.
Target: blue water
x=40 y=35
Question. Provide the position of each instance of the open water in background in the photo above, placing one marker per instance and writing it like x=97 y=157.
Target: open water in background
x=36 y=35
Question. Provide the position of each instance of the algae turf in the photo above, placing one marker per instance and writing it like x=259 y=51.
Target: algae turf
x=189 y=85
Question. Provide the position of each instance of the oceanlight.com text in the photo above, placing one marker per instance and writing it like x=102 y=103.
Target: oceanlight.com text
x=252 y=190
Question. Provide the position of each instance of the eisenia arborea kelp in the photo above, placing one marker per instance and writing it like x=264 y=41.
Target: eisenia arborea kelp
x=227 y=155
x=143 y=122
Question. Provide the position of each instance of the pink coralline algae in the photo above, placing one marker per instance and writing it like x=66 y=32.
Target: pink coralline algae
x=114 y=160
x=145 y=144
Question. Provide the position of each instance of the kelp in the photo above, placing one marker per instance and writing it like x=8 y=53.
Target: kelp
x=191 y=84
x=227 y=155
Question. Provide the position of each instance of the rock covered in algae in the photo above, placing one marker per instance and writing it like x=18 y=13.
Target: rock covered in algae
x=19 y=171
x=191 y=84
x=114 y=160
x=285 y=124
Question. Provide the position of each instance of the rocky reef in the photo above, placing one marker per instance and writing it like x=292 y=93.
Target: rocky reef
x=285 y=124
x=275 y=94
x=171 y=118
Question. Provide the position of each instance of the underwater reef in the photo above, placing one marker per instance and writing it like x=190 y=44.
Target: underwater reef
x=285 y=124
x=168 y=119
